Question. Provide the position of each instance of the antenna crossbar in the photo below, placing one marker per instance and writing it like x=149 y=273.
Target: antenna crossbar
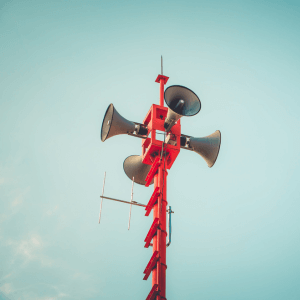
x=123 y=201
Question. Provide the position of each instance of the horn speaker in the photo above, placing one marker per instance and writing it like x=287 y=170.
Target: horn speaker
x=181 y=101
x=208 y=147
x=114 y=124
x=134 y=167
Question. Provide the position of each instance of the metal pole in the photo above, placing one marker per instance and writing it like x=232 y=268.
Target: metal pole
x=159 y=211
x=161 y=86
x=159 y=241
x=161 y=96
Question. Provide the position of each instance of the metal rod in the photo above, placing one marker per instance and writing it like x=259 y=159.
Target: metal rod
x=170 y=225
x=161 y=86
x=161 y=62
x=138 y=136
x=102 y=198
x=131 y=200
x=127 y=202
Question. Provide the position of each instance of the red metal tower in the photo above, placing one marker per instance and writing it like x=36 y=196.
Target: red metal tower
x=160 y=156
x=157 y=157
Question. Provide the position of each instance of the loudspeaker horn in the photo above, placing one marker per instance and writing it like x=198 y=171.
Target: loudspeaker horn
x=114 y=124
x=208 y=147
x=181 y=101
x=134 y=167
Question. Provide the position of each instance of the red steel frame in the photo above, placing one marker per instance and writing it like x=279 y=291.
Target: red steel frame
x=160 y=156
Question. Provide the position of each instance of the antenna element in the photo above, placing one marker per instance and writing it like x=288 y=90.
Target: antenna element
x=102 y=198
x=131 y=200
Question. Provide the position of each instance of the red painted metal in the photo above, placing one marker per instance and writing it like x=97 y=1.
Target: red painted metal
x=153 y=292
x=152 y=171
x=151 y=264
x=152 y=201
x=151 y=147
x=159 y=241
x=162 y=80
x=161 y=157
x=152 y=231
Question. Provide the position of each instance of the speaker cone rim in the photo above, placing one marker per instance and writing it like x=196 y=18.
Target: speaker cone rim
x=218 y=149
x=144 y=183
x=109 y=106
x=181 y=86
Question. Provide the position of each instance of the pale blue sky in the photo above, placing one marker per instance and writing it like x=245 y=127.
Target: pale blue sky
x=236 y=226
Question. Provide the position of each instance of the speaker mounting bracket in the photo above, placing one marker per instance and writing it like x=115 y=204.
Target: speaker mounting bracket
x=151 y=147
x=162 y=77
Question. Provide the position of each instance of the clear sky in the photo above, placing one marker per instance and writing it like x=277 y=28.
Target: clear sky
x=236 y=226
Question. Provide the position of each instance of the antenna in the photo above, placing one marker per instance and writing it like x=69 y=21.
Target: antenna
x=161 y=63
x=131 y=202
x=102 y=198
x=152 y=165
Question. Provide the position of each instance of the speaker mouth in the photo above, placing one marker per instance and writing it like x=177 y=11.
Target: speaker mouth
x=191 y=105
x=211 y=164
x=134 y=167
x=220 y=137
x=207 y=147
x=107 y=121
